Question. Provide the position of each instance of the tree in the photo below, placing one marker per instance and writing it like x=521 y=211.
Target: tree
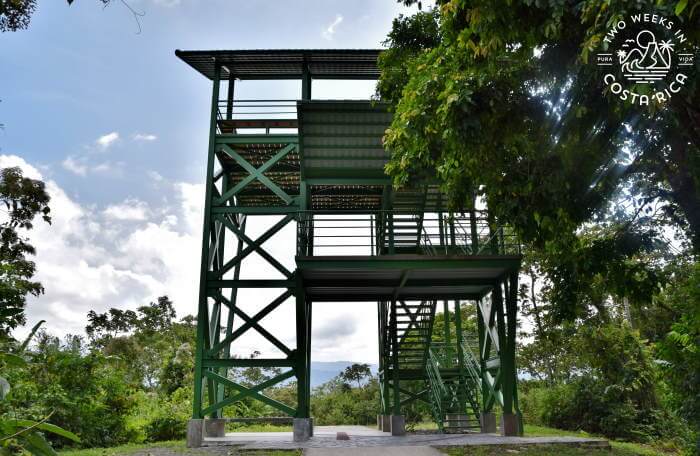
x=356 y=373
x=16 y=14
x=497 y=100
x=23 y=199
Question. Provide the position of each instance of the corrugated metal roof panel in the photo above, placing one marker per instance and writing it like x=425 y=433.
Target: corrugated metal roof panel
x=285 y=63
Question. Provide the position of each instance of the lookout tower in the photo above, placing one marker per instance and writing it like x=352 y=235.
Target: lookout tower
x=319 y=165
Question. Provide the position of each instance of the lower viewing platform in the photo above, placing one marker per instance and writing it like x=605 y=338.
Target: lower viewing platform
x=403 y=276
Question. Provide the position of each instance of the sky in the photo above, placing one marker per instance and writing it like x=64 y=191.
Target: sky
x=117 y=127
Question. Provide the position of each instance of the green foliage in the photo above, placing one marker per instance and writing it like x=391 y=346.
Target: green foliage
x=496 y=100
x=356 y=373
x=335 y=402
x=680 y=348
x=83 y=392
x=16 y=14
x=21 y=435
x=23 y=199
x=613 y=391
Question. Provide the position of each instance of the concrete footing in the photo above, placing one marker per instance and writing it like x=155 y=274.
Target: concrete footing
x=384 y=423
x=301 y=429
x=215 y=428
x=510 y=424
x=488 y=422
x=195 y=433
x=398 y=425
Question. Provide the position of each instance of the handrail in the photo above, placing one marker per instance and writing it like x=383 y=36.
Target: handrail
x=369 y=233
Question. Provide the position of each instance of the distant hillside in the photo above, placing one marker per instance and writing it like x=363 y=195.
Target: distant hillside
x=321 y=372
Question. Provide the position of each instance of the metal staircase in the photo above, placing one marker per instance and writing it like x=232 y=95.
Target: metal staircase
x=454 y=388
x=414 y=324
x=406 y=224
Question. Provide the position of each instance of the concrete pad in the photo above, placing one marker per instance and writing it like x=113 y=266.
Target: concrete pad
x=214 y=427
x=398 y=425
x=374 y=451
x=195 y=433
x=301 y=429
x=488 y=422
x=509 y=424
x=364 y=437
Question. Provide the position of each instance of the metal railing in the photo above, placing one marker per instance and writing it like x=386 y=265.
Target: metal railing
x=387 y=232
x=257 y=116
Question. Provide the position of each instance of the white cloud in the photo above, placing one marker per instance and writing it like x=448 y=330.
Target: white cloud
x=126 y=253
x=73 y=165
x=129 y=209
x=329 y=31
x=107 y=140
x=144 y=137
x=154 y=176
x=123 y=255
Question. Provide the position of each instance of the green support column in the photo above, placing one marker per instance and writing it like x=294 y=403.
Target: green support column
x=386 y=352
x=512 y=374
x=395 y=360
x=229 y=99
x=203 y=307
x=446 y=331
x=301 y=361
x=306 y=83
x=460 y=359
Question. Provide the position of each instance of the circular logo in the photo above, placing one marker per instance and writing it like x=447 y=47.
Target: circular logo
x=645 y=60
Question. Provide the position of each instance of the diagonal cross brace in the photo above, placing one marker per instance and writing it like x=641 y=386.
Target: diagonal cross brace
x=253 y=392
x=263 y=332
x=256 y=245
x=256 y=173
x=249 y=324
x=241 y=235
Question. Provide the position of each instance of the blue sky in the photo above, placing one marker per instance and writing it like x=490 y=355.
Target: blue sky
x=117 y=126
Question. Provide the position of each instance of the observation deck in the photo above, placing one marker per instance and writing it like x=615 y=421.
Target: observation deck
x=319 y=164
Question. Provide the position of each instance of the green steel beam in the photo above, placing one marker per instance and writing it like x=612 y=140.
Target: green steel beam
x=283 y=152
x=248 y=362
x=262 y=331
x=255 y=319
x=253 y=171
x=253 y=392
x=203 y=307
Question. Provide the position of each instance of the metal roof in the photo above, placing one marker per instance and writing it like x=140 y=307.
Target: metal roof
x=286 y=63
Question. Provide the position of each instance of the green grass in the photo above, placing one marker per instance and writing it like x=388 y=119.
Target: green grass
x=259 y=427
x=176 y=447
x=545 y=450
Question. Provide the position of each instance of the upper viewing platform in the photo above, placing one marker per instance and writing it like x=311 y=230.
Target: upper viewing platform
x=321 y=162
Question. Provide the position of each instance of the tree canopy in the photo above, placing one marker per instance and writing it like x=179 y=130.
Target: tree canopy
x=22 y=199
x=500 y=102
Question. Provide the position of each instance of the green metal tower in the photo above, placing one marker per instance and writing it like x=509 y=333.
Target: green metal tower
x=319 y=165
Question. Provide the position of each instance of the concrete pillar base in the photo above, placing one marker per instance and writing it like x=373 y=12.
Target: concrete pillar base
x=215 y=428
x=510 y=425
x=301 y=429
x=386 y=423
x=488 y=422
x=398 y=425
x=195 y=433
